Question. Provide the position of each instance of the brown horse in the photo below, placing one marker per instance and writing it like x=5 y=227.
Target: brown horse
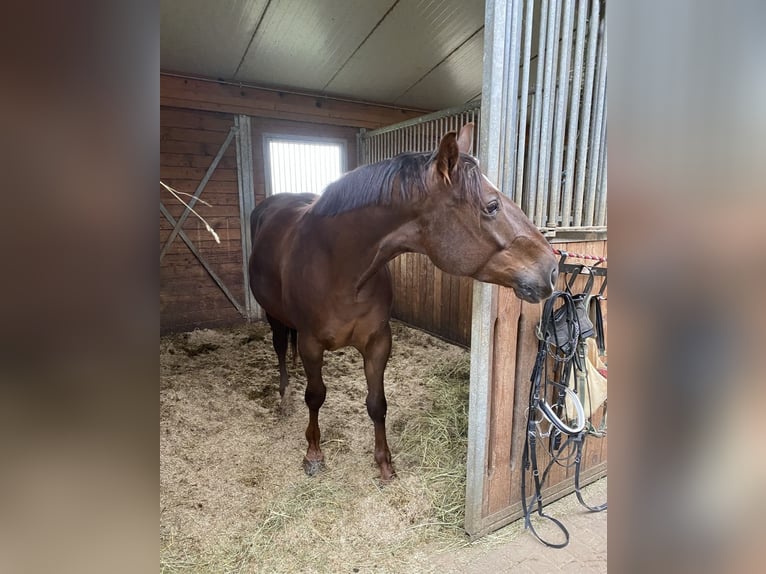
x=319 y=263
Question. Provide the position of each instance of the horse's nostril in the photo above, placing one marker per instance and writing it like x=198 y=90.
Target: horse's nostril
x=554 y=276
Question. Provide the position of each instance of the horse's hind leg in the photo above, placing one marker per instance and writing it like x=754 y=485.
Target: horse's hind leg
x=294 y=346
x=312 y=356
x=376 y=354
x=279 y=335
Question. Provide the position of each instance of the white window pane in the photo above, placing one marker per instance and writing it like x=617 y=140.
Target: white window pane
x=299 y=166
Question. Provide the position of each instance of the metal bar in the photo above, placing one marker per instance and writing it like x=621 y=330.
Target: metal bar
x=523 y=104
x=574 y=109
x=601 y=188
x=534 y=159
x=246 y=205
x=203 y=261
x=543 y=173
x=198 y=191
x=507 y=177
x=481 y=321
x=429 y=136
x=560 y=117
x=596 y=135
x=582 y=145
x=361 y=147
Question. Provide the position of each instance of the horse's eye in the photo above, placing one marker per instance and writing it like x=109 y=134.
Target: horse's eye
x=492 y=207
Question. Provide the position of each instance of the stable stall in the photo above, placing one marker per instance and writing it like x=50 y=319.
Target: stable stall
x=238 y=83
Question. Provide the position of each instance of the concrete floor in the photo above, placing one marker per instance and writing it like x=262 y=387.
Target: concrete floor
x=514 y=550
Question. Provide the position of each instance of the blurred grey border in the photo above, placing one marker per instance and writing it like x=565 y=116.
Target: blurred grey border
x=687 y=117
x=79 y=131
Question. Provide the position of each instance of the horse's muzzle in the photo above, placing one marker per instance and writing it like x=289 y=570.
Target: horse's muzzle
x=534 y=289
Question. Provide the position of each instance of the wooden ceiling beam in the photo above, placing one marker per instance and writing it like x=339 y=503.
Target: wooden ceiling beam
x=202 y=94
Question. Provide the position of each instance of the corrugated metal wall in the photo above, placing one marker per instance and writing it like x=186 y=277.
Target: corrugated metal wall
x=503 y=342
x=556 y=168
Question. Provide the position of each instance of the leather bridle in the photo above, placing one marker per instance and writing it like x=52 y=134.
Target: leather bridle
x=559 y=343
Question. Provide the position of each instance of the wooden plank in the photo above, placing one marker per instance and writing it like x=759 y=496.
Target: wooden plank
x=195 y=148
x=455 y=309
x=299 y=115
x=202 y=260
x=214 y=198
x=206 y=95
x=188 y=186
x=445 y=311
x=418 y=266
x=466 y=302
x=409 y=287
x=191 y=278
x=501 y=417
x=220 y=174
x=192 y=160
x=436 y=304
x=190 y=203
x=211 y=212
x=394 y=267
x=208 y=319
x=182 y=261
x=194 y=304
x=426 y=309
x=194 y=299
x=168 y=134
x=228 y=234
x=195 y=119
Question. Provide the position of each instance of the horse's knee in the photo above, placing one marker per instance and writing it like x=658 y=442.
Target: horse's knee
x=377 y=407
x=315 y=397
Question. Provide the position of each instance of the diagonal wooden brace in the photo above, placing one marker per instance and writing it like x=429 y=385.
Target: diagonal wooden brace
x=198 y=192
x=205 y=264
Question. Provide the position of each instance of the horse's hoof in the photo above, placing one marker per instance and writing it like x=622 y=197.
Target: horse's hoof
x=312 y=467
x=284 y=407
x=387 y=476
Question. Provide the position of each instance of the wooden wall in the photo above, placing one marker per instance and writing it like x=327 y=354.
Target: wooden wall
x=201 y=94
x=513 y=356
x=189 y=140
x=434 y=301
x=428 y=298
x=195 y=117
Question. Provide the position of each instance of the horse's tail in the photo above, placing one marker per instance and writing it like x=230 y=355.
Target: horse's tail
x=294 y=346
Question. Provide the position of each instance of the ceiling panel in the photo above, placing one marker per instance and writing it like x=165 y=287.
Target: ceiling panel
x=426 y=54
x=456 y=80
x=412 y=40
x=206 y=38
x=303 y=44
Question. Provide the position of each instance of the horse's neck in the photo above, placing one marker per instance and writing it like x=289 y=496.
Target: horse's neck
x=366 y=239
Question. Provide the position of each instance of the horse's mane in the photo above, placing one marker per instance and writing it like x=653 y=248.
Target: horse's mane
x=396 y=180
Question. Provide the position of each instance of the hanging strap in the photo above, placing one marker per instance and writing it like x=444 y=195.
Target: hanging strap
x=550 y=335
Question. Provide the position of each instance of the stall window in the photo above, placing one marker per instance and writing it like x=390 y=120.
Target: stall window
x=302 y=165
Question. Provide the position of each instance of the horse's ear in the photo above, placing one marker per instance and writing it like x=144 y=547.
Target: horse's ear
x=447 y=156
x=465 y=139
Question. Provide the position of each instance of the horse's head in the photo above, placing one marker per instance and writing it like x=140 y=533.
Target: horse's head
x=470 y=228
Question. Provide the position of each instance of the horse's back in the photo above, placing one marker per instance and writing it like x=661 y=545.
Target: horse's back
x=273 y=223
x=276 y=206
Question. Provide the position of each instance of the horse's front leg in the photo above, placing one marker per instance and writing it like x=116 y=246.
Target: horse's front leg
x=312 y=356
x=376 y=353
